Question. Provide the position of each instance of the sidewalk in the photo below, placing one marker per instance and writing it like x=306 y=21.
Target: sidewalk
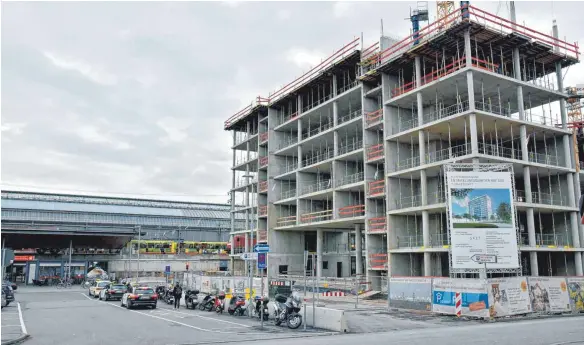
x=13 y=328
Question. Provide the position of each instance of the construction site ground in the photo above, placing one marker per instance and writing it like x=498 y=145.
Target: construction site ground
x=373 y=315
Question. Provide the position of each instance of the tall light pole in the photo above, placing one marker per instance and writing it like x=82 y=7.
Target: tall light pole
x=249 y=262
x=139 y=247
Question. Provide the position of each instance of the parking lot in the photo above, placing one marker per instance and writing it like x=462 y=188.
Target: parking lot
x=71 y=317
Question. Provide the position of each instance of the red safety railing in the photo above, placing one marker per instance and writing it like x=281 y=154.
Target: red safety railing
x=502 y=23
x=352 y=211
x=374 y=152
x=370 y=53
x=377 y=225
x=378 y=261
x=262 y=235
x=263 y=161
x=374 y=116
x=263 y=210
x=376 y=187
x=338 y=55
x=263 y=186
x=286 y=221
x=316 y=216
x=245 y=111
x=263 y=137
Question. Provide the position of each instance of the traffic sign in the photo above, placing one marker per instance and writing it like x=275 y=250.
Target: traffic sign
x=249 y=256
x=261 y=248
x=167 y=270
x=484 y=258
x=262 y=261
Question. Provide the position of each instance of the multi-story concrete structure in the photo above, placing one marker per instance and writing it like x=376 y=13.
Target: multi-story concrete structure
x=481 y=207
x=347 y=161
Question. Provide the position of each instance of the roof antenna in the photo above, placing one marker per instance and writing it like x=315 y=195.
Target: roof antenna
x=512 y=13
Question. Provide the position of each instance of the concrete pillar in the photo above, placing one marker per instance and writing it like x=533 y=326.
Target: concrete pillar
x=334 y=85
x=358 y=249
x=467 y=48
x=574 y=221
x=319 y=251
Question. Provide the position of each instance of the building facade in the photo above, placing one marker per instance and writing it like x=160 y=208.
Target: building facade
x=348 y=160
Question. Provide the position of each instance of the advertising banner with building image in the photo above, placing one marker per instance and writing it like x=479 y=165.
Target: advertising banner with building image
x=482 y=218
x=410 y=293
x=549 y=294
x=508 y=296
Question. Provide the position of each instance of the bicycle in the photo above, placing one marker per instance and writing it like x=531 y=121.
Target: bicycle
x=64 y=284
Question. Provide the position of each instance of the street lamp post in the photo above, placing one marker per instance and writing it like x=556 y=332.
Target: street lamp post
x=249 y=262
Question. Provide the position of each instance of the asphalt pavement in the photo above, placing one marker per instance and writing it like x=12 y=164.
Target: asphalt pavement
x=71 y=317
x=559 y=331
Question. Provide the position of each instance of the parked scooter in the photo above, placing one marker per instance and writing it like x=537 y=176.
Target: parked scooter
x=208 y=303
x=220 y=303
x=286 y=309
x=236 y=306
x=191 y=299
x=262 y=303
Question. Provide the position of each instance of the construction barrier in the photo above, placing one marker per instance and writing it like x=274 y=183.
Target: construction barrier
x=326 y=318
x=333 y=293
x=491 y=298
x=233 y=285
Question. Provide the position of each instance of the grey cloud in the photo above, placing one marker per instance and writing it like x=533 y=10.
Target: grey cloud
x=196 y=63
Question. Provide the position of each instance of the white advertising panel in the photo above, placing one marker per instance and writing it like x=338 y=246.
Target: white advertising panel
x=482 y=219
x=410 y=293
x=576 y=292
x=508 y=296
x=549 y=294
x=475 y=301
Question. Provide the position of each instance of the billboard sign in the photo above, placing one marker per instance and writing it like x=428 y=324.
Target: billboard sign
x=410 y=293
x=482 y=219
x=508 y=296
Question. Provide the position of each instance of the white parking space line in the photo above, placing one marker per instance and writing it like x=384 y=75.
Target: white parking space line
x=177 y=322
x=21 y=319
x=210 y=318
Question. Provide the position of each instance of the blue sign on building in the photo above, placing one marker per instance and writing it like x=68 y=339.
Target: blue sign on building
x=261 y=248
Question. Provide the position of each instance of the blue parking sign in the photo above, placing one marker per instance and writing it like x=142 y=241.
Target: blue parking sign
x=262 y=261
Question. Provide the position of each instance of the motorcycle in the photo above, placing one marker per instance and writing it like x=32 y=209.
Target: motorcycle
x=40 y=282
x=220 y=303
x=286 y=309
x=207 y=303
x=262 y=304
x=168 y=296
x=191 y=299
x=161 y=292
x=236 y=306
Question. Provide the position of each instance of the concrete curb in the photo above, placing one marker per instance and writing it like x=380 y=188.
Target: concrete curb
x=17 y=340
x=534 y=317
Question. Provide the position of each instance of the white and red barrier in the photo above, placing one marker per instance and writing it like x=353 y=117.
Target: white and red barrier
x=333 y=294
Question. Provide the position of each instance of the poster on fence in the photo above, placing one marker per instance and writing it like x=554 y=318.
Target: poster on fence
x=482 y=219
x=410 y=293
x=475 y=301
x=576 y=293
x=508 y=296
x=548 y=294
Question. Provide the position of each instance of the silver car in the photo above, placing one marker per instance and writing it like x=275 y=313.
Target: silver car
x=4 y=303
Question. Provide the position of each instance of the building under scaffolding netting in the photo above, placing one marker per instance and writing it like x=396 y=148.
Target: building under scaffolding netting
x=349 y=159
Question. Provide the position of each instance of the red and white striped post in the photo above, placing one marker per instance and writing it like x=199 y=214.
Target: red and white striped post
x=458 y=304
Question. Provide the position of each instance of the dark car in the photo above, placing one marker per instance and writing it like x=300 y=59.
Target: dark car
x=113 y=291
x=140 y=296
x=11 y=284
x=7 y=289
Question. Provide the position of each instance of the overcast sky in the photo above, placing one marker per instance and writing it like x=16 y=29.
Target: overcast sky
x=131 y=97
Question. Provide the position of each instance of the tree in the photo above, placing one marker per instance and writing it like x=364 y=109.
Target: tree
x=504 y=212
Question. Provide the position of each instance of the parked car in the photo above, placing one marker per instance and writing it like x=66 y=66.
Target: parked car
x=97 y=286
x=12 y=285
x=113 y=291
x=7 y=290
x=4 y=302
x=140 y=296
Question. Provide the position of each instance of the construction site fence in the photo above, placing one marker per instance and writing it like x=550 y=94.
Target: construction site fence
x=490 y=298
x=327 y=286
x=231 y=285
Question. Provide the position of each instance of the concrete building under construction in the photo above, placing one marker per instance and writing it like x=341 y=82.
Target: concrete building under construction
x=348 y=160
